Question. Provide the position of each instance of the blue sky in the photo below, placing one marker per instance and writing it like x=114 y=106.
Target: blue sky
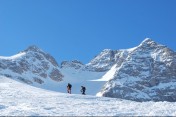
x=81 y=29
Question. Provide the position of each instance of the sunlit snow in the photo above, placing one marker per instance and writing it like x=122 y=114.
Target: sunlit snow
x=18 y=99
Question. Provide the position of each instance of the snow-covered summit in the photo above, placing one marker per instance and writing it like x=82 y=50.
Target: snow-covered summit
x=150 y=44
x=32 y=66
x=148 y=72
x=33 y=48
x=147 y=41
x=107 y=58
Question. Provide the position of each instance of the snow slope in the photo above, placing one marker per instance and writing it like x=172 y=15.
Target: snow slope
x=78 y=78
x=109 y=75
x=18 y=99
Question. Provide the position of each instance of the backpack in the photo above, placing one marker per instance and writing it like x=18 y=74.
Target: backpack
x=84 y=88
x=70 y=85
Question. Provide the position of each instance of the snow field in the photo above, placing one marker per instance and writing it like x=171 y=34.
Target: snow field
x=18 y=99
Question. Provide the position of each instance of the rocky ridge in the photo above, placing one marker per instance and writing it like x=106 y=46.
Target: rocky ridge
x=147 y=73
x=31 y=66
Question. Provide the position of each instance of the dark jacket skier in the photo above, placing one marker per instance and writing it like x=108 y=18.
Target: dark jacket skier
x=69 y=86
x=83 y=89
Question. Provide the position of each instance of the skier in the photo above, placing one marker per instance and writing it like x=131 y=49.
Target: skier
x=69 y=86
x=83 y=89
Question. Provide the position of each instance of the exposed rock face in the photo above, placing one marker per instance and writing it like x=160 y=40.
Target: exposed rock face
x=56 y=75
x=31 y=65
x=106 y=59
x=147 y=73
x=72 y=64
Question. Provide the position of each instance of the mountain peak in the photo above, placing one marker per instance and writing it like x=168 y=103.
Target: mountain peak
x=107 y=50
x=31 y=66
x=148 y=41
x=33 y=48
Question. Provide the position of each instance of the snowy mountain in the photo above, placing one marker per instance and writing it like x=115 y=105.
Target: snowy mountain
x=143 y=73
x=37 y=68
x=147 y=72
x=32 y=66
x=19 y=99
